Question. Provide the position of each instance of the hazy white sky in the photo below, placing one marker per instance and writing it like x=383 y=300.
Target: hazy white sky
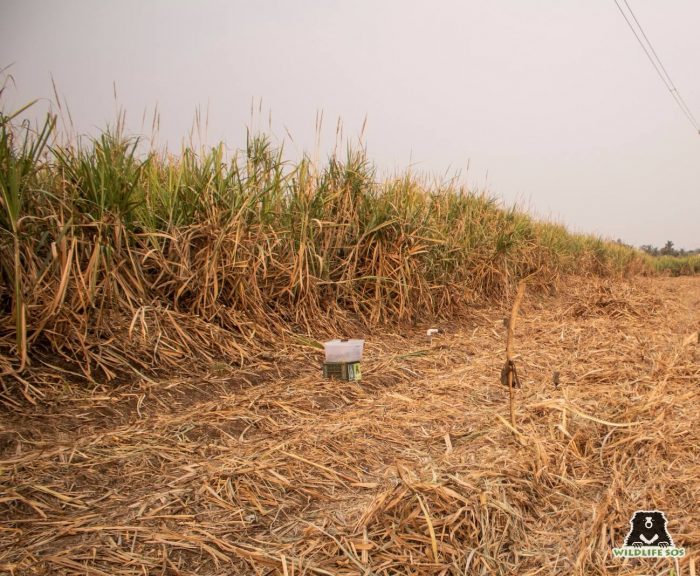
x=553 y=99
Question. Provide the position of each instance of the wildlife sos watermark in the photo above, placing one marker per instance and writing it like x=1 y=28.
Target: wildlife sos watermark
x=648 y=537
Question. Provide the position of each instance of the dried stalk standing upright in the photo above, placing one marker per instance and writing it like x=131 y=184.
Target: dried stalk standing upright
x=510 y=366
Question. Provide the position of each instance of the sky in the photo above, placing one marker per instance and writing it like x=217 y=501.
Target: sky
x=549 y=104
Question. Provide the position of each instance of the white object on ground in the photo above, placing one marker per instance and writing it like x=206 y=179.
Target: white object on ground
x=338 y=351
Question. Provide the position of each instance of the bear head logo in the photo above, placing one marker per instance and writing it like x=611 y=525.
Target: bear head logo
x=648 y=528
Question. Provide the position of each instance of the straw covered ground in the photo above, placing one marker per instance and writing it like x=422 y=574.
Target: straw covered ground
x=414 y=470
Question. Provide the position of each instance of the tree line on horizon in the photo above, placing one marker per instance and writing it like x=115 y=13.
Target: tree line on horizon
x=668 y=249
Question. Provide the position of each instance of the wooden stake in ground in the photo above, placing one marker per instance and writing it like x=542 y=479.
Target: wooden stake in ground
x=509 y=373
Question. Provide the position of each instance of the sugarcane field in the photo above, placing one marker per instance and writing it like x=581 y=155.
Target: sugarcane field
x=439 y=315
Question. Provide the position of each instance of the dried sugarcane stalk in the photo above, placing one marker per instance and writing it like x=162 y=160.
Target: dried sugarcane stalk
x=509 y=369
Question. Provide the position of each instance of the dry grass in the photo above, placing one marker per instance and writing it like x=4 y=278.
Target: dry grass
x=412 y=471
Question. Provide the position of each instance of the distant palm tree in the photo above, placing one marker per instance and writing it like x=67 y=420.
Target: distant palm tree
x=668 y=249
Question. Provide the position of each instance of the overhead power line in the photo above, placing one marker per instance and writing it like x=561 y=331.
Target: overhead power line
x=653 y=57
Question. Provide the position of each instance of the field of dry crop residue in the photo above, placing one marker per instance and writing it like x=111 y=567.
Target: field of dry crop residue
x=412 y=471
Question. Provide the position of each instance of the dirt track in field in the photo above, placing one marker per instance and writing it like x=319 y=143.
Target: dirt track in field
x=414 y=470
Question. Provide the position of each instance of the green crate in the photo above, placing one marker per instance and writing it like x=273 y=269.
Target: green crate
x=348 y=371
